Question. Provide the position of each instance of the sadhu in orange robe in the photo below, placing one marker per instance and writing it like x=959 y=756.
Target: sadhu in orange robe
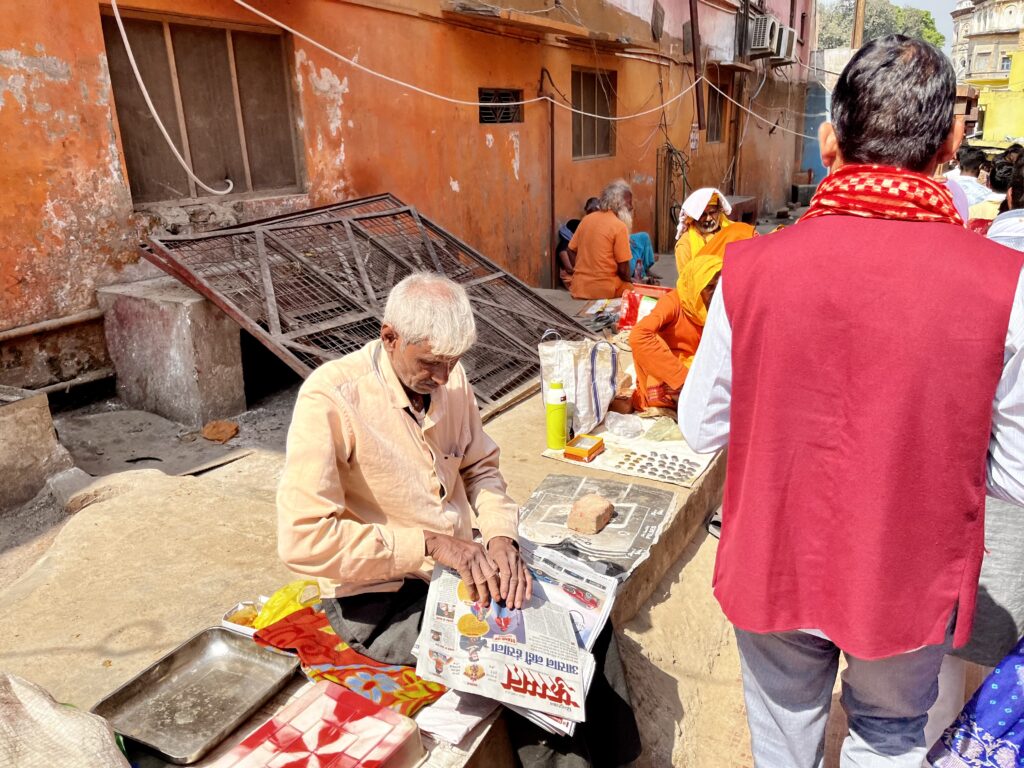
x=665 y=341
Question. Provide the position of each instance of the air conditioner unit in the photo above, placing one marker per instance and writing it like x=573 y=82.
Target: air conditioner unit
x=764 y=36
x=785 y=48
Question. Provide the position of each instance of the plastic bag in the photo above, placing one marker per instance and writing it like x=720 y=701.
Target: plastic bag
x=286 y=601
x=635 y=307
x=589 y=372
x=38 y=732
x=624 y=425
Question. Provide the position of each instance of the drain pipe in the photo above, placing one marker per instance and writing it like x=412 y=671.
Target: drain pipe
x=553 y=222
x=50 y=325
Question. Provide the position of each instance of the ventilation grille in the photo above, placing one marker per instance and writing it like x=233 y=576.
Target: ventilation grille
x=764 y=35
x=498 y=105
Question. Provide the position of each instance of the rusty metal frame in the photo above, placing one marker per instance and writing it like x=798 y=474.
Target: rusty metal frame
x=301 y=283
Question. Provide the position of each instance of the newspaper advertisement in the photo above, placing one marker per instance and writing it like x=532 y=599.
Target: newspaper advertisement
x=527 y=658
x=640 y=515
x=586 y=596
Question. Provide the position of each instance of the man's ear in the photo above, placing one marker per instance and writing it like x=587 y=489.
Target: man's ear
x=389 y=337
x=829 y=146
x=949 y=147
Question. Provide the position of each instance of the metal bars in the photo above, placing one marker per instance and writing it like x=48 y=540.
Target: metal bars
x=311 y=286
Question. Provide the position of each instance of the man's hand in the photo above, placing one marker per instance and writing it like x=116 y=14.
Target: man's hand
x=477 y=570
x=516 y=587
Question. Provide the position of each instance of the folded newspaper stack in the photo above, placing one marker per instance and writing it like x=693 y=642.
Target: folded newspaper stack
x=538 y=660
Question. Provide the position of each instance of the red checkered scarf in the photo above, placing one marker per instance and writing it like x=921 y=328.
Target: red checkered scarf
x=880 y=192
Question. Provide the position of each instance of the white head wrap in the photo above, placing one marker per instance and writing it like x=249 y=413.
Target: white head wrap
x=694 y=205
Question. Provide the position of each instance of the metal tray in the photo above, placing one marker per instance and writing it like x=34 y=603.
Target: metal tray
x=190 y=700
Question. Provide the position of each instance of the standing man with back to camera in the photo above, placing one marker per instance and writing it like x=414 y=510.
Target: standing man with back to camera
x=862 y=368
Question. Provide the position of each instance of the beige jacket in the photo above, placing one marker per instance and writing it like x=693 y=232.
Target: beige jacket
x=362 y=480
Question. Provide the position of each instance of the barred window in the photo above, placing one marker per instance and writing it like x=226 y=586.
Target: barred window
x=223 y=94
x=593 y=93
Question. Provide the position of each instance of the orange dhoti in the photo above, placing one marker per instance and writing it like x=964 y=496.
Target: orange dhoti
x=663 y=345
x=665 y=341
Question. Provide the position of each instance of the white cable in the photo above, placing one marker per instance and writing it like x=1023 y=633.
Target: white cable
x=450 y=99
x=515 y=10
x=152 y=110
x=763 y=119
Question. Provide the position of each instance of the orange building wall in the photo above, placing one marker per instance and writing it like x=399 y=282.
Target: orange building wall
x=66 y=219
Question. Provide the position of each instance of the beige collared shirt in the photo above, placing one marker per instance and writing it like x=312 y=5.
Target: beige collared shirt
x=363 y=479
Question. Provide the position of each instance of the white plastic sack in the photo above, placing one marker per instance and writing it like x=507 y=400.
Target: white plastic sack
x=37 y=732
x=589 y=372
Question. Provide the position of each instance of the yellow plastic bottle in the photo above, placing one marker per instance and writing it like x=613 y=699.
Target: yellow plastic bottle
x=555 y=413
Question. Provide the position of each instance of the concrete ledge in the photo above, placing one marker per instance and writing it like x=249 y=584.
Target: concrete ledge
x=520 y=435
x=175 y=353
x=29 y=451
x=678 y=534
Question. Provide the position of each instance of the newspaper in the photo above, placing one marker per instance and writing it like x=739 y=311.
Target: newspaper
x=558 y=725
x=640 y=515
x=528 y=658
x=586 y=595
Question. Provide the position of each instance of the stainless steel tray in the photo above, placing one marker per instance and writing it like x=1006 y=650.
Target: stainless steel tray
x=185 y=704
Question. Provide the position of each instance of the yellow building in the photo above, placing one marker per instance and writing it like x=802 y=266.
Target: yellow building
x=1001 y=105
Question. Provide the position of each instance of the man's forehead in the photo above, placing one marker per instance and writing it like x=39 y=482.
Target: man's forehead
x=423 y=351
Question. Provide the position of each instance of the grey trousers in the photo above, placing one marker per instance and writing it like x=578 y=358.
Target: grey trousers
x=787 y=684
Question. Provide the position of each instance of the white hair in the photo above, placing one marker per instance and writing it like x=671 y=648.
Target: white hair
x=613 y=198
x=427 y=307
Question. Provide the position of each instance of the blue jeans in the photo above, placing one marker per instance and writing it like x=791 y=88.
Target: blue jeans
x=787 y=684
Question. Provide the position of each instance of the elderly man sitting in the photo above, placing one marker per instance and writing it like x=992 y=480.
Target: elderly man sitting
x=703 y=216
x=388 y=471
x=600 y=248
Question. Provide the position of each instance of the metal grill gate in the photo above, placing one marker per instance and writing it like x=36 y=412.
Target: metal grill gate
x=311 y=286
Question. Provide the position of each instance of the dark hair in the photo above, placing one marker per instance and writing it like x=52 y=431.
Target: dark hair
x=999 y=178
x=1016 y=188
x=893 y=104
x=971 y=159
x=592 y=204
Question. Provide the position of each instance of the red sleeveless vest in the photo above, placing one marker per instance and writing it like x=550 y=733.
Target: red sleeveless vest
x=865 y=357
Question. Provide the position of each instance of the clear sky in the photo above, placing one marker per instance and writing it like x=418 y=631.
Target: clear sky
x=940 y=10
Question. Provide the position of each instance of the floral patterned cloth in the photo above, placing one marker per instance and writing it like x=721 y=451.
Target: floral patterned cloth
x=324 y=656
x=989 y=732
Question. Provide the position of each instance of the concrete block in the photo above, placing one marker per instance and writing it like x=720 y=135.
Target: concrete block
x=29 y=451
x=175 y=353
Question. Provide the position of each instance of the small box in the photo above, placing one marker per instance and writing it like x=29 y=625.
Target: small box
x=584 y=448
x=240 y=616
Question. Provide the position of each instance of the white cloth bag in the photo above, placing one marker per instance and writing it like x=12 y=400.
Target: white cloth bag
x=589 y=372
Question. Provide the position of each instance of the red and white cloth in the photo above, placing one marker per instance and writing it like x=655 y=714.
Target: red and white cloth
x=882 y=192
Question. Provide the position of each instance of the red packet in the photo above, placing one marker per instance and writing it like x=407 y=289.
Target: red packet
x=330 y=727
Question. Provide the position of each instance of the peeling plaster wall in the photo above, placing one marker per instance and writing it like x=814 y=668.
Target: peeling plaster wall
x=64 y=208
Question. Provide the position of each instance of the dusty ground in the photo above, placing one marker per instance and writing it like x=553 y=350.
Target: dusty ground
x=106 y=591
x=27 y=533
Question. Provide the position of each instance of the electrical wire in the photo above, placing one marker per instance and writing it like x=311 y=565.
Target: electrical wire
x=450 y=99
x=762 y=118
x=515 y=10
x=156 y=118
x=818 y=69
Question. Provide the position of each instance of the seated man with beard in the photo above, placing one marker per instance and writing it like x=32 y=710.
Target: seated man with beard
x=600 y=246
x=703 y=216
